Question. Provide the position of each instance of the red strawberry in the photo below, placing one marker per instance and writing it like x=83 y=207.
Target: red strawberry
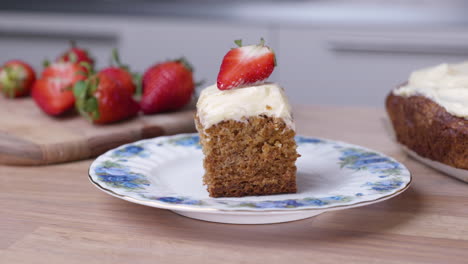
x=53 y=92
x=76 y=55
x=246 y=65
x=167 y=86
x=102 y=100
x=51 y=97
x=16 y=78
x=120 y=73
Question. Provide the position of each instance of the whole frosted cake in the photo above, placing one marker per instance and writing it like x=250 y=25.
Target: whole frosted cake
x=429 y=113
x=247 y=130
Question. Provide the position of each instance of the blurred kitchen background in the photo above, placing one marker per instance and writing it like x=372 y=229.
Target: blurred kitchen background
x=329 y=52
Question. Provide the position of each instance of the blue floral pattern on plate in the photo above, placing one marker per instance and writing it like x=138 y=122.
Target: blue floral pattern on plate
x=119 y=176
x=130 y=151
x=128 y=171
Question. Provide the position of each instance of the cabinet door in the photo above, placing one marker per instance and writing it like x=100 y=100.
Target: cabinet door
x=359 y=67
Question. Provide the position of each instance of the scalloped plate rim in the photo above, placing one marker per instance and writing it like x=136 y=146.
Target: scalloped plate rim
x=249 y=211
x=187 y=208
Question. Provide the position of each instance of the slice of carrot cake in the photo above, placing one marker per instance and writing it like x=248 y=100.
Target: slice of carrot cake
x=247 y=134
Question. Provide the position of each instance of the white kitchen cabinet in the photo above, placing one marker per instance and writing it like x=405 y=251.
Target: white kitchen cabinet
x=359 y=66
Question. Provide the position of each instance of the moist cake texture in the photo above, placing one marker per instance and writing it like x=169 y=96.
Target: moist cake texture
x=248 y=141
x=429 y=130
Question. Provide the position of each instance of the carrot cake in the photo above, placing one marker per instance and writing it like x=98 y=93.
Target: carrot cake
x=247 y=135
x=430 y=113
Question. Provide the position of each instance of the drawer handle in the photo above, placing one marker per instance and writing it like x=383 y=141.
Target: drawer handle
x=396 y=46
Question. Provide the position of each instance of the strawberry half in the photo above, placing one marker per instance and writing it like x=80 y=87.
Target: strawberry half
x=121 y=73
x=167 y=86
x=102 y=100
x=246 y=65
x=76 y=55
x=53 y=92
x=16 y=78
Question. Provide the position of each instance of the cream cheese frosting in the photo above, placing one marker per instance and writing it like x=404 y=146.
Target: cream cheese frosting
x=445 y=84
x=268 y=99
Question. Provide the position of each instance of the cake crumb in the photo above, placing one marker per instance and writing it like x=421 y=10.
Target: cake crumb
x=249 y=158
x=268 y=107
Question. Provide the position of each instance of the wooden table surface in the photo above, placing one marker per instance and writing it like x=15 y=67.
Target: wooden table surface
x=52 y=214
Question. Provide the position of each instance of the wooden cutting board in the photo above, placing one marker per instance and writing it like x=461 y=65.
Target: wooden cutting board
x=30 y=137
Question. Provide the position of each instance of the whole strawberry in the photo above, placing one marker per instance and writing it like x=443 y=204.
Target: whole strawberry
x=53 y=91
x=246 y=65
x=16 y=78
x=167 y=86
x=76 y=55
x=102 y=100
x=121 y=73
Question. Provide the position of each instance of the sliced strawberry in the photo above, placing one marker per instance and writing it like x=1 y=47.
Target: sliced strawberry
x=121 y=73
x=246 y=65
x=102 y=100
x=16 y=78
x=76 y=55
x=53 y=92
x=67 y=72
x=167 y=86
x=51 y=97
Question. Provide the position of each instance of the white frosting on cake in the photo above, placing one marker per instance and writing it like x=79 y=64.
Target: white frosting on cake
x=268 y=99
x=445 y=84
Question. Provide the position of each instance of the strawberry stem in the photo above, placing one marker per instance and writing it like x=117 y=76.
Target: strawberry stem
x=72 y=43
x=262 y=42
x=139 y=86
x=200 y=83
x=116 y=58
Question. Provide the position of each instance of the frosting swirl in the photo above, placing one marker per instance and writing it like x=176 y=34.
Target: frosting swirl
x=268 y=99
x=445 y=84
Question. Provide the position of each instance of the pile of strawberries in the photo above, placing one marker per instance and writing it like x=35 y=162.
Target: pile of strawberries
x=106 y=96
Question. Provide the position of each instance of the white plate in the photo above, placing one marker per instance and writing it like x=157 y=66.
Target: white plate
x=452 y=171
x=166 y=172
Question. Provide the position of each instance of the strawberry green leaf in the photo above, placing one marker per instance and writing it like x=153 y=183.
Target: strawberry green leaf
x=88 y=67
x=91 y=105
x=186 y=63
x=10 y=82
x=79 y=90
x=238 y=42
x=46 y=63
x=72 y=57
